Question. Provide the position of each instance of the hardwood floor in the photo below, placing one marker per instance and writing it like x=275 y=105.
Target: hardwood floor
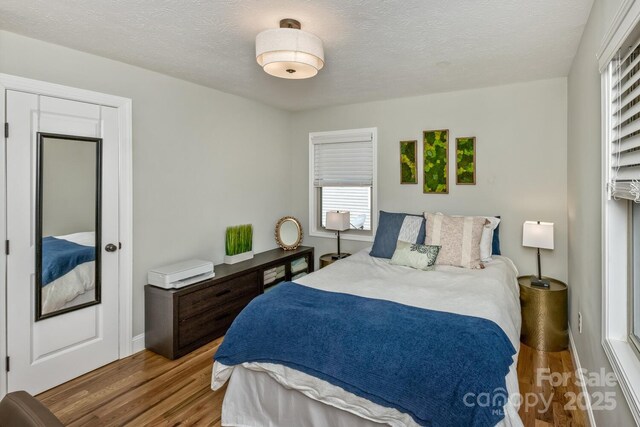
x=548 y=402
x=147 y=389
x=144 y=389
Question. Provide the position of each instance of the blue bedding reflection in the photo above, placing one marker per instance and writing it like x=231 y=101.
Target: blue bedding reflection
x=60 y=256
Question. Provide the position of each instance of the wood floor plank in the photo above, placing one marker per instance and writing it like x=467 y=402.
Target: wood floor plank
x=148 y=390
x=101 y=388
x=535 y=369
x=578 y=416
x=160 y=389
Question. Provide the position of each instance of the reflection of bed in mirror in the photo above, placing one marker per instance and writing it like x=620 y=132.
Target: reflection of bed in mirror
x=68 y=271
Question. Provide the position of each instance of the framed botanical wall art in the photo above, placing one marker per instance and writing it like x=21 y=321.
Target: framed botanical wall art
x=408 y=164
x=436 y=168
x=466 y=161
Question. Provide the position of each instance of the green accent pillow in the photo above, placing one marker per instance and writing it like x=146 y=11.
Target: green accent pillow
x=415 y=255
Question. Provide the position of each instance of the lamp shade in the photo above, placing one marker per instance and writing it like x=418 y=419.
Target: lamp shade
x=289 y=53
x=339 y=221
x=536 y=234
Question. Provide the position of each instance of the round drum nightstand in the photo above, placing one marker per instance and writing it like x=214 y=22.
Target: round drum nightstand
x=544 y=315
x=327 y=259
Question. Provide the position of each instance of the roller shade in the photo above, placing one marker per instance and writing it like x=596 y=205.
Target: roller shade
x=624 y=180
x=343 y=160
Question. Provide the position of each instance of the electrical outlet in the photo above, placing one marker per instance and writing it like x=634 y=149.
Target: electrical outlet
x=579 y=322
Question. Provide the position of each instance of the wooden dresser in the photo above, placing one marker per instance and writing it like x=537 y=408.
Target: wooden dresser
x=178 y=321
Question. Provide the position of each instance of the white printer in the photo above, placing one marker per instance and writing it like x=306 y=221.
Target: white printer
x=181 y=274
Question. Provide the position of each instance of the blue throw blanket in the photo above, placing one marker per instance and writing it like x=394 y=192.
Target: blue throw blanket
x=61 y=256
x=421 y=362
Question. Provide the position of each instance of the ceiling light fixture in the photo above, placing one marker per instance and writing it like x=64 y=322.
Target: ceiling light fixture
x=288 y=52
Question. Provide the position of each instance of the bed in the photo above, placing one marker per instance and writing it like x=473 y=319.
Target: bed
x=68 y=270
x=269 y=394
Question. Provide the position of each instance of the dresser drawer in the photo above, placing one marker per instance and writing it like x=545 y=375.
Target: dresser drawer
x=210 y=324
x=220 y=294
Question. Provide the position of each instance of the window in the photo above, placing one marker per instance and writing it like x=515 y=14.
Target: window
x=621 y=209
x=634 y=291
x=356 y=200
x=622 y=170
x=343 y=170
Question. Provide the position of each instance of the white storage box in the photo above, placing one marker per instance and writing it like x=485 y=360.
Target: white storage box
x=181 y=274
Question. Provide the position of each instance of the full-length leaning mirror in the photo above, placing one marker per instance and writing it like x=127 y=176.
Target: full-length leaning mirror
x=288 y=233
x=68 y=206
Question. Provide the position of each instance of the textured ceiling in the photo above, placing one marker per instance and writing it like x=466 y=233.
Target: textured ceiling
x=374 y=49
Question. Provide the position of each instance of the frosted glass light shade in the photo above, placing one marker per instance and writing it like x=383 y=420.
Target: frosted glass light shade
x=537 y=234
x=289 y=53
x=339 y=221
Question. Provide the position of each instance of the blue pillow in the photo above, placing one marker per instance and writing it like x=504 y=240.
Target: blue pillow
x=495 y=244
x=396 y=226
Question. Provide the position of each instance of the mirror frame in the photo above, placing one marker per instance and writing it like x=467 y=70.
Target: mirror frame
x=41 y=136
x=277 y=233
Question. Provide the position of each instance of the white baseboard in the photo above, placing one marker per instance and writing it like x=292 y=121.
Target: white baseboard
x=137 y=344
x=578 y=367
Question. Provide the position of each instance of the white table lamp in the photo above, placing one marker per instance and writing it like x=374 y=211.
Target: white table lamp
x=338 y=221
x=536 y=234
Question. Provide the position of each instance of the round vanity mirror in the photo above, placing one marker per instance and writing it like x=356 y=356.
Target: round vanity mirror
x=288 y=233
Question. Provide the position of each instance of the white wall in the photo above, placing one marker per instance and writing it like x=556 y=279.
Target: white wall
x=69 y=187
x=521 y=160
x=202 y=159
x=584 y=205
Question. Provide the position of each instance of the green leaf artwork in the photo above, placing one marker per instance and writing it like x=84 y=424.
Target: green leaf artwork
x=466 y=161
x=436 y=149
x=408 y=172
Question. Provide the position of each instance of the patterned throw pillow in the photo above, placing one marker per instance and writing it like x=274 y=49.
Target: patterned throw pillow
x=490 y=241
x=393 y=227
x=459 y=238
x=415 y=255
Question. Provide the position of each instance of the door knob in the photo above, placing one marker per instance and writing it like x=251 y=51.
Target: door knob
x=111 y=247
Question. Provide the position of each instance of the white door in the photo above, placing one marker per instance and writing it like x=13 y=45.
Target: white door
x=62 y=290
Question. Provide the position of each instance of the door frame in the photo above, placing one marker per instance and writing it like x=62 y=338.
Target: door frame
x=125 y=198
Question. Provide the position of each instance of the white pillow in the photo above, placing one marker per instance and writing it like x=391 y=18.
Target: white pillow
x=486 y=241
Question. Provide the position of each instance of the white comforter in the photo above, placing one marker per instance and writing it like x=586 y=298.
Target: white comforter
x=491 y=293
x=81 y=279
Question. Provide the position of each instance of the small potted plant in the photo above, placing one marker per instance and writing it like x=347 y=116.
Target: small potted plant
x=239 y=244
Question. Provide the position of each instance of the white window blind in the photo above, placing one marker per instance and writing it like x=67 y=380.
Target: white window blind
x=342 y=161
x=624 y=93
